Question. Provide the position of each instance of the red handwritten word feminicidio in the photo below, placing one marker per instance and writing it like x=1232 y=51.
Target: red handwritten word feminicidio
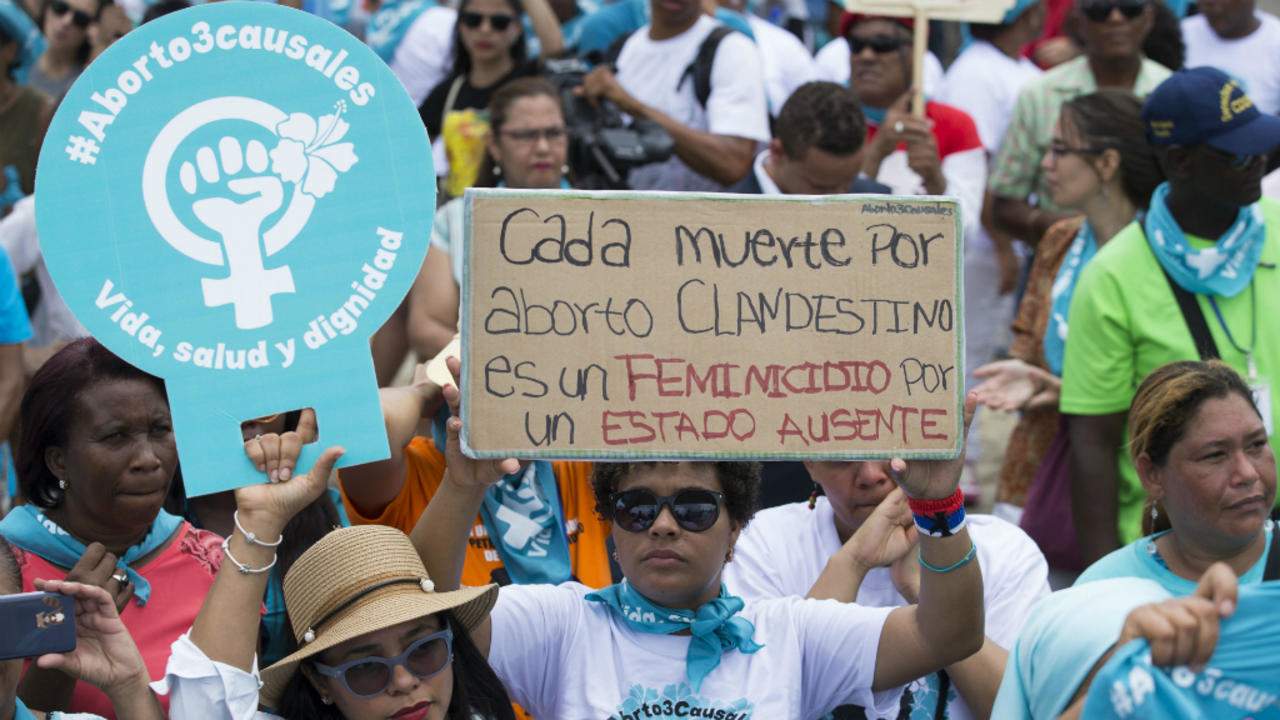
x=676 y=377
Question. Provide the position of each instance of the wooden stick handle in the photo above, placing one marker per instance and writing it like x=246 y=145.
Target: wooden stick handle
x=919 y=45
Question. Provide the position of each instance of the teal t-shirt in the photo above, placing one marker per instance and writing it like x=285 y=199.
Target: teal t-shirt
x=1136 y=560
x=1242 y=679
x=1124 y=323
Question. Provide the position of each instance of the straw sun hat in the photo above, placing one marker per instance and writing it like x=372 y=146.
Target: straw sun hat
x=359 y=580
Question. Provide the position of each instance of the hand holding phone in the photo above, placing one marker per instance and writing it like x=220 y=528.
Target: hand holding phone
x=102 y=652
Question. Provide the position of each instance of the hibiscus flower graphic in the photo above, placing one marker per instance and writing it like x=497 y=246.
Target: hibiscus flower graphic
x=309 y=153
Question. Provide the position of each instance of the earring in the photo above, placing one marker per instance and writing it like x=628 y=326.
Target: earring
x=1154 y=513
x=497 y=170
x=564 y=169
x=325 y=699
x=729 y=556
x=62 y=484
x=614 y=555
x=813 y=497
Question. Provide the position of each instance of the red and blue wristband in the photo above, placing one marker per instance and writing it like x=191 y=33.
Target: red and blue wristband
x=939 y=518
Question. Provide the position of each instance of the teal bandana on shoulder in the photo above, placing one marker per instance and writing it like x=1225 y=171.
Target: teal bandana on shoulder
x=21 y=712
x=389 y=24
x=12 y=188
x=1083 y=248
x=523 y=517
x=715 y=626
x=29 y=529
x=1224 y=269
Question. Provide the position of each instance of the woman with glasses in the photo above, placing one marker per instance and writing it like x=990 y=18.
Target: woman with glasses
x=65 y=24
x=669 y=641
x=375 y=639
x=488 y=51
x=1101 y=165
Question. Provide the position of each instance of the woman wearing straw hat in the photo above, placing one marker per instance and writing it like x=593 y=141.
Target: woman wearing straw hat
x=375 y=639
x=669 y=641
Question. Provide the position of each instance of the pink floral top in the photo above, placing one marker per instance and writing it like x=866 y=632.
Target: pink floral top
x=180 y=578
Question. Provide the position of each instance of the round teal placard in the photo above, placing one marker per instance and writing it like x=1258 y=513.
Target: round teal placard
x=235 y=197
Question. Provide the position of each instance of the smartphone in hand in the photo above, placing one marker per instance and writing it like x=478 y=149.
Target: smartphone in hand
x=35 y=623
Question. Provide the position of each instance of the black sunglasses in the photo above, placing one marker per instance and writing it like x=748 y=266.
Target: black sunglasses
x=879 y=44
x=694 y=509
x=79 y=17
x=498 y=22
x=1100 y=11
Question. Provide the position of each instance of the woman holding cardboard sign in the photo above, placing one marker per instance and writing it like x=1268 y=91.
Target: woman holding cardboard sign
x=670 y=638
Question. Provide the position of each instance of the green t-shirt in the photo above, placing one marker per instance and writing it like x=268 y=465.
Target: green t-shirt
x=1124 y=322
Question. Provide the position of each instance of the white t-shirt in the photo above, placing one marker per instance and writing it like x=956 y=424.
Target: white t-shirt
x=985 y=83
x=53 y=321
x=783 y=550
x=1254 y=58
x=425 y=55
x=787 y=62
x=832 y=62
x=560 y=656
x=650 y=70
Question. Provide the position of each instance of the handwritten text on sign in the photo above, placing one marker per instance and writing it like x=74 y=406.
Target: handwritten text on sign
x=608 y=325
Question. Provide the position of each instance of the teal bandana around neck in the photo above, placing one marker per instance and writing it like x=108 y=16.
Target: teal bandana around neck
x=20 y=711
x=523 y=517
x=715 y=626
x=1224 y=269
x=29 y=529
x=874 y=116
x=12 y=188
x=1083 y=248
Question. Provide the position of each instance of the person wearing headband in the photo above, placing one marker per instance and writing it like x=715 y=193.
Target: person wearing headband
x=669 y=638
x=375 y=639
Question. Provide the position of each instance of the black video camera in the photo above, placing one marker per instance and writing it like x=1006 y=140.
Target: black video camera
x=602 y=147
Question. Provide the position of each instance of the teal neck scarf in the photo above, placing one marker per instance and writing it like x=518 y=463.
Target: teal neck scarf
x=715 y=626
x=522 y=514
x=20 y=711
x=29 y=529
x=1224 y=269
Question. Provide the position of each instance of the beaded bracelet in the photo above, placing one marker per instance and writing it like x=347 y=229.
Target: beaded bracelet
x=244 y=569
x=939 y=518
x=250 y=537
x=973 y=550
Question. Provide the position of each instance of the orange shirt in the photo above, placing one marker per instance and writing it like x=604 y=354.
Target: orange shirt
x=587 y=533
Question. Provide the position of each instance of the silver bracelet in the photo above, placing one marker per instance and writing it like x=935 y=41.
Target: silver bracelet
x=244 y=569
x=250 y=537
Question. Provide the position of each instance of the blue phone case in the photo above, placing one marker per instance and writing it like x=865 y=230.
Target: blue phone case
x=35 y=623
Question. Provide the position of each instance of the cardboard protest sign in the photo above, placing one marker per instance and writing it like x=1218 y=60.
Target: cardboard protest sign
x=609 y=325
x=234 y=197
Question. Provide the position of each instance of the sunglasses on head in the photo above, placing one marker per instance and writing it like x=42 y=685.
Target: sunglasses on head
x=369 y=676
x=473 y=20
x=879 y=44
x=79 y=17
x=1100 y=11
x=694 y=509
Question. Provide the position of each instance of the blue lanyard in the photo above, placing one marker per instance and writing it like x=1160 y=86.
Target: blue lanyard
x=1253 y=340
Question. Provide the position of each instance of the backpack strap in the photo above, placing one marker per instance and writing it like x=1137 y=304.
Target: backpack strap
x=700 y=69
x=610 y=55
x=1194 y=316
x=1271 y=571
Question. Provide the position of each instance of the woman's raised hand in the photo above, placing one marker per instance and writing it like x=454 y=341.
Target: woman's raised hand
x=463 y=471
x=934 y=479
x=272 y=505
x=1012 y=385
x=277 y=454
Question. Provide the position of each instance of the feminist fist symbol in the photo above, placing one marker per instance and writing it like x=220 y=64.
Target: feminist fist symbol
x=304 y=157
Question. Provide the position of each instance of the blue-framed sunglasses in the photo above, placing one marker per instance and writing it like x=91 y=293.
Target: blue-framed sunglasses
x=369 y=676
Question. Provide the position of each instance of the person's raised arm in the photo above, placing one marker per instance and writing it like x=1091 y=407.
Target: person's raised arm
x=1013 y=385
x=226 y=628
x=723 y=158
x=1095 y=481
x=1023 y=220
x=105 y=654
x=546 y=26
x=441 y=533
x=433 y=304
x=946 y=625
x=371 y=487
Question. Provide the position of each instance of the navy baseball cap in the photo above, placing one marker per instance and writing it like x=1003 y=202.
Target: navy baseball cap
x=1205 y=105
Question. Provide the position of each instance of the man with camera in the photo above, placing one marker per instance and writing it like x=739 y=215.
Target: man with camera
x=715 y=140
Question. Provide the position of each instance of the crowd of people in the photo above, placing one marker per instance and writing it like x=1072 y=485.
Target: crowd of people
x=1112 y=163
